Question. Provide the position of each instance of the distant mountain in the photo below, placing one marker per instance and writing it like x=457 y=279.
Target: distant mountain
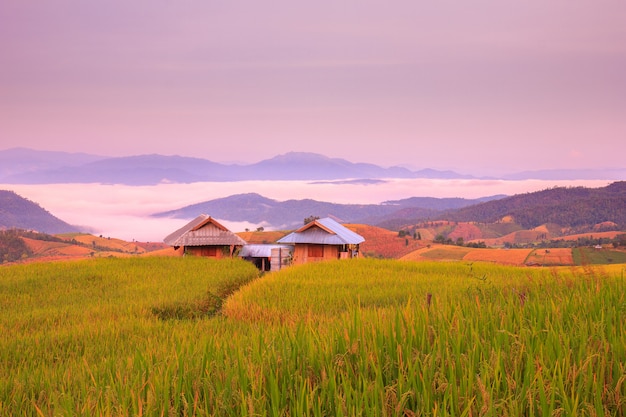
x=312 y=166
x=288 y=214
x=27 y=166
x=18 y=162
x=131 y=170
x=20 y=213
x=257 y=209
x=439 y=204
x=567 y=209
x=142 y=170
x=24 y=166
x=573 y=207
x=417 y=209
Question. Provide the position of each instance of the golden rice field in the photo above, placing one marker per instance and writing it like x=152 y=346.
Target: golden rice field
x=503 y=256
x=438 y=253
x=520 y=257
x=552 y=256
x=183 y=336
x=107 y=242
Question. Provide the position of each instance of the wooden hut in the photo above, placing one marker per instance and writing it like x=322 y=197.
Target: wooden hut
x=204 y=236
x=322 y=239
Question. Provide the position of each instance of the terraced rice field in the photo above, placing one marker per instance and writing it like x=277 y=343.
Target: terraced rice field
x=196 y=337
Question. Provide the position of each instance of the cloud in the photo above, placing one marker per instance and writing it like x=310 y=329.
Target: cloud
x=125 y=211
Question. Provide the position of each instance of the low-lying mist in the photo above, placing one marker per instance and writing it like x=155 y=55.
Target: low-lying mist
x=124 y=212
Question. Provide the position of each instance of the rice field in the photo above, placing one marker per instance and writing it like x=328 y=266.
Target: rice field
x=585 y=256
x=438 y=253
x=502 y=256
x=551 y=257
x=173 y=336
x=458 y=253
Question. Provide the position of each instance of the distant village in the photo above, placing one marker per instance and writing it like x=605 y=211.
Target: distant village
x=318 y=240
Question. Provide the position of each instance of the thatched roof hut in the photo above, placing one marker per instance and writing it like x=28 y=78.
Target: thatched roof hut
x=205 y=236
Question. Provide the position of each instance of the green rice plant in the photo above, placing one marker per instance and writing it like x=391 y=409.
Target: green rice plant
x=71 y=325
x=359 y=337
x=483 y=346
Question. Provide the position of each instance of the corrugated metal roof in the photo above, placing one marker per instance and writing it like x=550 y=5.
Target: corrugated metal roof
x=203 y=231
x=261 y=251
x=324 y=231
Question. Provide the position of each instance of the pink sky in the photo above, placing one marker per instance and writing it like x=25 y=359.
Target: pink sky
x=474 y=86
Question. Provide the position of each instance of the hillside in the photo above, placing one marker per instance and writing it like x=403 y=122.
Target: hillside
x=564 y=211
x=21 y=213
x=289 y=214
x=28 y=246
x=262 y=237
x=383 y=243
x=576 y=208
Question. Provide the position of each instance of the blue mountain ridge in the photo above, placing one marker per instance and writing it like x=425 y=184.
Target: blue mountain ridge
x=27 y=166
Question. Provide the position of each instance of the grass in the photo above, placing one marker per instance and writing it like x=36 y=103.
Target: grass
x=586 y=256
x=357 y=337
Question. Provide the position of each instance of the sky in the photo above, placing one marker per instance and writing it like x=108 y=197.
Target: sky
x=480 y=87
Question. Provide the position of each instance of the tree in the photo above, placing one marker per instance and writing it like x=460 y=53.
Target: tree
x=12 y=247
x=310 y=219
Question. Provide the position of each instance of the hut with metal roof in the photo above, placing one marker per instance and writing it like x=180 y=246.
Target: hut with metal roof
x=205 y=236
x=322 y=239
x=267 y=257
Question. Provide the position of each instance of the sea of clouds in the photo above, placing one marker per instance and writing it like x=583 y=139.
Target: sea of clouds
x=124 y=211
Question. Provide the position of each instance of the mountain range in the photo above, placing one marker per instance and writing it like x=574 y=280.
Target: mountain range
x=27 y=166
x=571 y=208
x=565 y=209
x=255 y=208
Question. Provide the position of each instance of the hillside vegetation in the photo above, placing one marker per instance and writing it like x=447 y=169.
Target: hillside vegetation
x=25 y=246
x=20 y=213
x=140 y=336
x=575 y=208
x=383 y=243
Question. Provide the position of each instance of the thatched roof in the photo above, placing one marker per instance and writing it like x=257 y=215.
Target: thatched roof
x=325 y=232
x=203 y=231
